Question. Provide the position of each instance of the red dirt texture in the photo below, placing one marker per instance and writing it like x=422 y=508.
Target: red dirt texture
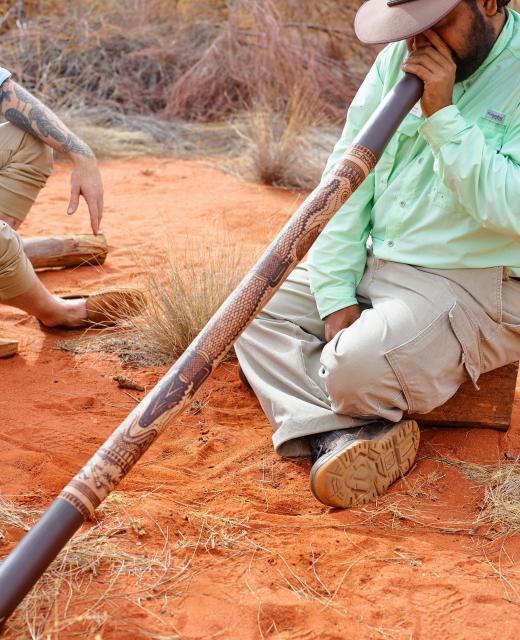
x=249 y=552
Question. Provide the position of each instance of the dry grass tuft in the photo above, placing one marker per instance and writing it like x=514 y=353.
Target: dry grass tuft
x=95 y=574
x=423 y=485
x=498 y=513
x=17 y=516
x=111 y=142
x=113 y=134
x=500 y=507
x=218 y=534
x=183 y=291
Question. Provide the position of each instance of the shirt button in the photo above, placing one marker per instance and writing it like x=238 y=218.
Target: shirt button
x=391 y=243
x=420 y=161
x=403 y=204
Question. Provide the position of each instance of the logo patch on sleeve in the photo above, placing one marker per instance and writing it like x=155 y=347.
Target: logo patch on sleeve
x=495 y=116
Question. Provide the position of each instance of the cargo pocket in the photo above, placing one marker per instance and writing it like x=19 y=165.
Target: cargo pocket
x=431 y=366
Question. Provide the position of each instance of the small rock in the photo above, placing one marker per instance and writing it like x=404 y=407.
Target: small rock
x=126 y=383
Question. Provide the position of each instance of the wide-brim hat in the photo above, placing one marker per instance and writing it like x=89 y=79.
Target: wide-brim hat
x=382 y=21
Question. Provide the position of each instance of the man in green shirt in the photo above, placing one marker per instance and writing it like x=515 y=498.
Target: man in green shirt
x=357 y=337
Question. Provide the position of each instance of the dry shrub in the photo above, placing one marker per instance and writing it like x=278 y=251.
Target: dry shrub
x=100 y=52
x=197 y=60
x=139 y=77
x=262 y=50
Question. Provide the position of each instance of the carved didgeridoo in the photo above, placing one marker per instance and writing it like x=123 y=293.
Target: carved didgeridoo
x=78 y=501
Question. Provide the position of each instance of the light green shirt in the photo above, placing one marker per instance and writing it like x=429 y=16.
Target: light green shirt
x=446 y=192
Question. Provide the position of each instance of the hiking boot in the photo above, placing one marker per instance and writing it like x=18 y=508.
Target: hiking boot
x=353 y=466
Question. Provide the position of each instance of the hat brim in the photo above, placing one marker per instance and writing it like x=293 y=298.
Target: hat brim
x=378 y=23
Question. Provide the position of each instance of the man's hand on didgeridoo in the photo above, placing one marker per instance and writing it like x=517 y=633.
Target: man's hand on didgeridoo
x=431 y=60
x=341 y=320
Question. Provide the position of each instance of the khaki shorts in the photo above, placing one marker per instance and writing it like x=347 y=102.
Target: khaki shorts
x=25 y=165
x=16 y=273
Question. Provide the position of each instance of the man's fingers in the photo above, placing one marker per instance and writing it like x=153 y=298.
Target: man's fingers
x=423 y=61
x=94 y=213
x=101 y=205
x=100 y=213
x=418 y=70
x=439 y=44
x=74 y=199
x=430 y=53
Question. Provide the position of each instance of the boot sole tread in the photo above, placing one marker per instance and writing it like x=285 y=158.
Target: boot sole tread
x=364 y=469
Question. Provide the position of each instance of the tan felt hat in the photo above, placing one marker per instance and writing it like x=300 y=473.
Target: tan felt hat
x=382 y=21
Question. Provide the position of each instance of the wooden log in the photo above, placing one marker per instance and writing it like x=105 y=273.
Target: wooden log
x=490 y=408
x=66 y=251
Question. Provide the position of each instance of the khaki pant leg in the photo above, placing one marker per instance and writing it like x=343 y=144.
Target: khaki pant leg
x=500 y=344
x=280 y=356
x=16 y=273
x=406 y=353
x=416 y=342
x=429 y=330
x=25 y=165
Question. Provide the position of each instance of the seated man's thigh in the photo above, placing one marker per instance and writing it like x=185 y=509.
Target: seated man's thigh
x=295 y=303
x=386 y=361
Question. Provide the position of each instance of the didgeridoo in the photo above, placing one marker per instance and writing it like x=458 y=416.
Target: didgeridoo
x=20 y=571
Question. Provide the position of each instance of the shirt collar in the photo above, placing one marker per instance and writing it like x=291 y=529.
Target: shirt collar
x=500 y=45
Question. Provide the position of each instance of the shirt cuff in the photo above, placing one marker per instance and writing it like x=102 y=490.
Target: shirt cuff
x=329 y=301
x=443 y=127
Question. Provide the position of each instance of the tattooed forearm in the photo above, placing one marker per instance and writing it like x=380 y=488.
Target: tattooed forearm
x=26 y=112
x=6 y=93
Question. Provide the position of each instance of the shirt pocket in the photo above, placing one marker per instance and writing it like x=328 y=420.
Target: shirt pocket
x=445 y=198
x=493 y=132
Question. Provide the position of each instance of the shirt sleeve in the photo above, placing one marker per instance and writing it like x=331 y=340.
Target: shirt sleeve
x=337 y=259
x=485 y=181
x=4 y=75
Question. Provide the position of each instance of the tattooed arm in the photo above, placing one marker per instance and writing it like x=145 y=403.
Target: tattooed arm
x=23 y=110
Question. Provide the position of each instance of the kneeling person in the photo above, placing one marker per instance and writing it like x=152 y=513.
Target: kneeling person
x=27 y=139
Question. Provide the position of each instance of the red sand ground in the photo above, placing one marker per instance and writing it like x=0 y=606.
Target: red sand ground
x=265 y=559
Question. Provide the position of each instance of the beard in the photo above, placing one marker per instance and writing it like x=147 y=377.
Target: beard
x=482 y=41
